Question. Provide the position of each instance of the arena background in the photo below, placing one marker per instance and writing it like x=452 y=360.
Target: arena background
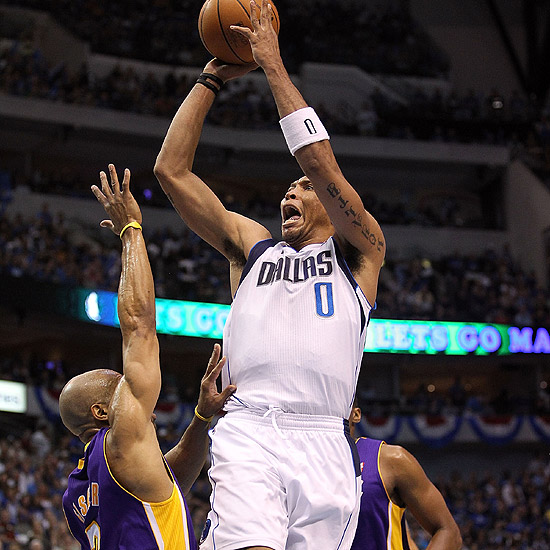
x=438 y=116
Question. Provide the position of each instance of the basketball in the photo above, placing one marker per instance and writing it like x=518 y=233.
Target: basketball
x=215 y=18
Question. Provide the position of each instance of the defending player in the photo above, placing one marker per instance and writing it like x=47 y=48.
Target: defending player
x=394 y=481
x=296 y=331
x=122 y=494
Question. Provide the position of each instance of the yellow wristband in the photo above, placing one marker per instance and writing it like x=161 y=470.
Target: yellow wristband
x=131 y=224
x=200 y=417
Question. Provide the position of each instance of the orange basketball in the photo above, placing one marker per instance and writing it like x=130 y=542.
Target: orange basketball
x=214 y=20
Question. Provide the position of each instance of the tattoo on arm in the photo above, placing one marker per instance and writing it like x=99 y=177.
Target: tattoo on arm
x=355 y=217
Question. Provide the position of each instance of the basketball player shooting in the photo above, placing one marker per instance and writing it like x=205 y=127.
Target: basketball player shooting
x=284 y=470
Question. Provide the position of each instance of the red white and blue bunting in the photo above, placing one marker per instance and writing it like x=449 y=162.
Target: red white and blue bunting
x=541 y=426
x=496 y=429
x=47 y=402
x=435 y=431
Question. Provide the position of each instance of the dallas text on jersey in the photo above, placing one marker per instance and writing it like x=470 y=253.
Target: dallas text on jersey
x=296 y=270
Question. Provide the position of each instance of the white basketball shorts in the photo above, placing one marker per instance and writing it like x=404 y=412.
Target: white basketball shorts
x=281 y=480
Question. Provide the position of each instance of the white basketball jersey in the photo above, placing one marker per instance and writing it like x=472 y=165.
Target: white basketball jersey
x=295 y=335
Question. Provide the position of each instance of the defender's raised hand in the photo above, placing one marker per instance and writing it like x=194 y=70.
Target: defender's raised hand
x=210 y=400
x=119 y=204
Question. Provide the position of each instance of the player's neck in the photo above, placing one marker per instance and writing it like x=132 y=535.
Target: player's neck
x=88 y=434
x=318 y=238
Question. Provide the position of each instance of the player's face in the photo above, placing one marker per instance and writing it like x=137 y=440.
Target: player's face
x=302 y=213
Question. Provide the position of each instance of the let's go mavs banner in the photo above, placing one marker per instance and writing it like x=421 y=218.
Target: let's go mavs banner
x=205 y=320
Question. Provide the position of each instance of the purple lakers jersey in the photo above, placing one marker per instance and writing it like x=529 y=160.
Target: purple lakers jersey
x=102 y=514
x=381 y=522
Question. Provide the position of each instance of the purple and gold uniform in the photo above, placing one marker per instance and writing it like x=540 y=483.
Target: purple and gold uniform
x=102 y=514
x=381 y=522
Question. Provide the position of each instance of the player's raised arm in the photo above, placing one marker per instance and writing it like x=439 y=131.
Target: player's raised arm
x=408 y=484
x=228 y=232
x=131 y=443
x=136 y=297
x=122 y=494
x=308 y=141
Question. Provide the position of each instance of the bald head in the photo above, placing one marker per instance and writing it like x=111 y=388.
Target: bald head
x=81 y=393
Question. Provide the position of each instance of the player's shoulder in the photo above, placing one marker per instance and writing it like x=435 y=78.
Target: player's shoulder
x=395 y=466
x=236 y=247
x=250 y=229
x=399 y=463
x=394 y=454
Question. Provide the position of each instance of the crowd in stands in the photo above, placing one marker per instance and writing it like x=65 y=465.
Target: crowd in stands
x=390 y=43
x=459 y=399
x=498 y=510
x=33 y=472
x=443 y=208
x=494 y=510
x=473 y=118
x=382 y=39
x=49 y=248
x=424 y=208
x=490 y=287
x=535 y=150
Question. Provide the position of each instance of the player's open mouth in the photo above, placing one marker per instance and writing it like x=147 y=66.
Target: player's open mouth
x=290 y=214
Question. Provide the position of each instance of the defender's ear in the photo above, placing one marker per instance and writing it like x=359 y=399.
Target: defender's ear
x=99 y=411
x=355 y=416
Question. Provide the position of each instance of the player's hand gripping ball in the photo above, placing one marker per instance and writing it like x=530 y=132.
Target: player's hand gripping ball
x=215 y=18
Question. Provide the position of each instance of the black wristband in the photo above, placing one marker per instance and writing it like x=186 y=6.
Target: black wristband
x=202 y=80
x=214 y=78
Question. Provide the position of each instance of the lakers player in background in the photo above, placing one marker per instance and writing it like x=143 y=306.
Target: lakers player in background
x=122 y=493
x=393 y=481
x=284 y=470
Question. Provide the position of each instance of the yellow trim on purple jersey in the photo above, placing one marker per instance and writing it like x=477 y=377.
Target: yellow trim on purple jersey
x=381 y=521
x=101 y=513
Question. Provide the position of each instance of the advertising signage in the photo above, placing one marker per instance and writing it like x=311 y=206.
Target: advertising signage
x=13 y=396
x=206 y=320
